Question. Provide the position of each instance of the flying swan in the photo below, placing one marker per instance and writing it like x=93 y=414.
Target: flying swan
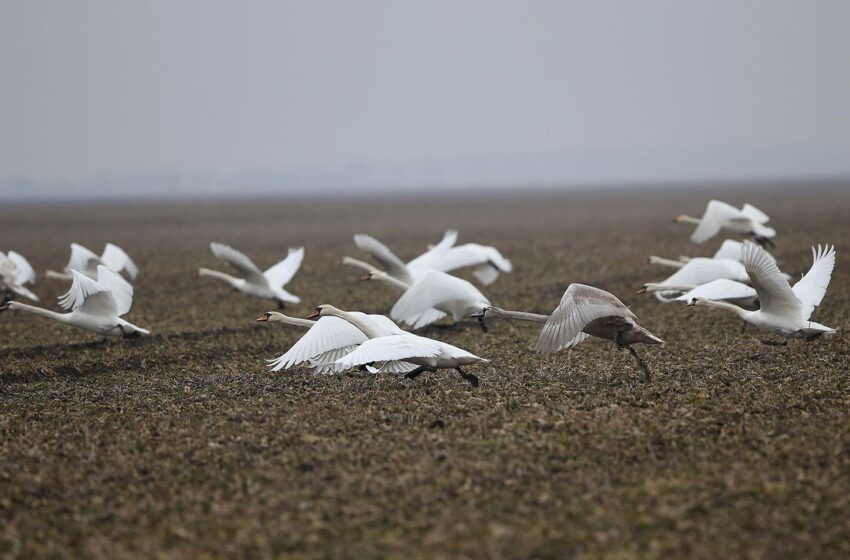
x=435 y=295
x=695 y=272
x=15 y=271
x=95 y=305
x=258 y=284
x=85 y=261
x=584 y=311
x=718 y=215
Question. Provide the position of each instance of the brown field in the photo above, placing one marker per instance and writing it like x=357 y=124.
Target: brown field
x=184 y=445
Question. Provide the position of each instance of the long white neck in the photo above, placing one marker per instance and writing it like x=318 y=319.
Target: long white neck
x=740 y=312
x=655 y=287
x=498 y=313
x=61 y=317
x=391 y=280
x=232 y=280
x=364 y=326
x=56 y=275
x=351 y=261
x=688 y=219
x=287 y=320
x=666 y=262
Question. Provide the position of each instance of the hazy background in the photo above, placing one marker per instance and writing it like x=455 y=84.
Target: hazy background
x=200 y=97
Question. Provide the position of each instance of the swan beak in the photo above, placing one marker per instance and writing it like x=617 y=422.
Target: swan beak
x=678 y=219
x=366 y=277
x=314 y=314
x=263 y=319
x=647 y=261
x=642 y=290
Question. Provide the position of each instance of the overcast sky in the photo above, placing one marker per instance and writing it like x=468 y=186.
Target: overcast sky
x=293 y=95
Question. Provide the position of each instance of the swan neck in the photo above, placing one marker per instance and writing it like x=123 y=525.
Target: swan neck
x=364 y=326
x=656 y=287
x=499 y=313
x=689 y=219
x=61 y=317
x=741 y=312
x=294 y=321
x=217 y=274
x=666 y=262
x=392 y=280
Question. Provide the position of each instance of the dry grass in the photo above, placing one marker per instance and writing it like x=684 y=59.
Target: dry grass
x=182 y=444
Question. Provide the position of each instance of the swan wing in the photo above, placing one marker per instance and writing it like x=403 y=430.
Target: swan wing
x=579 y=306
x=390 y=348
x=324 y=363
x=486 y=274
x=812 y=286
x=89 y=296
x=117 y=259
x=425 y=318
x=730 y=249
x=382 y=322
x=701 y=270
x=431 y=259
x=720 y=289
x=754 y=214
x=433 y=289
x=239 y=261
x=24 y=272
x=393 y=366
x=281 y=273
x=82 y=260
x=775 y=295
x=328 y=333
x=473 y=254
x=121 y=290
x=716 y=214
x=381 y=253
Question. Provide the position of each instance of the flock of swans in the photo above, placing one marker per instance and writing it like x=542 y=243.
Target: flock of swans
x=741 y=277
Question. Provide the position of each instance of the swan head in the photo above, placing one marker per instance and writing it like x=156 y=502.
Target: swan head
x=680 y=218
x=643 y=289
x=483 y=314
x=698 y=301
x=322 y=311
x=269 y=316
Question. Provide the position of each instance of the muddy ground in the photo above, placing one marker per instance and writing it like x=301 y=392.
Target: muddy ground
x=183 y=444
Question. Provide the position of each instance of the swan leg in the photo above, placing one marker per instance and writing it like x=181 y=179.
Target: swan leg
x=774 y=342
x=483 y=324
x=743 y=327
x=647 y=375
x=473 y=380
x=415 y=373
x=764 y=241
x=281 y=305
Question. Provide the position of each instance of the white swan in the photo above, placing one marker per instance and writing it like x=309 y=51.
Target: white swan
x=438 y=291
x=584 y=311
x=96 y=305
x=264 y=285
x=85 y=261
x=695 y=272
x=784 y=310
x=718 y=215
x=428 y=354
x=730 y=249
x=394 y=266
x=723 y=289
x=15 y=271
x=488 y=261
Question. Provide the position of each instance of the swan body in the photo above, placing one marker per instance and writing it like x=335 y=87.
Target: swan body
x=487 y=261
x=86 y=262
x=784 y=310
x=696 y=272
x=438 y=291
x=394 y=266
x=730 y=249
x=723 y=289
x=15 y=271
x=747 y=220
x=256 y=283
x=95 y=305
x=584 y=311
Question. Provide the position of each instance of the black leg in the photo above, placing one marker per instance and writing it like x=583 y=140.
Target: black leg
x=764 y=241
x=743 y=327
x=647 y=375
x=483 y=324
x=280 y=305
x=472 y=379
x=415 y=373
x=774 y=342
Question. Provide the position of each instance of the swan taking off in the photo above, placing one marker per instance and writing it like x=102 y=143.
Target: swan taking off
x=784 y=310
x=15 y=271
x=436 y=290
x=718 y=215
x=407 y=274
x=85 y=261
x=96 y=305
x=730 y=249
x=584 y=311
x=695 y=272
x=487 y=261
x=263 y=285
x=724 y=290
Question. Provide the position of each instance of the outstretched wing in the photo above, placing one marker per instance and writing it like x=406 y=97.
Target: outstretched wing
x=716 y=214
x=391 y=348
x=730 y=249
x=116 y=259
x=579 y=306
x=753 y=213
x=89 y=296
x=775 y=295
x=82 y=260
x=391 y=263
x=24 y=272
x=239 y=261
x=720 y=289
x=328 y=334
x=281 y=273
x=812 y=287
x=431 y=259
x=433 y=289
x=121 y=290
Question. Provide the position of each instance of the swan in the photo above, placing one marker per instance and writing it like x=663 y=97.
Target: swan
x=724 y=289
x=427 y=354
x=263 y=285
x=718 y=215
x=488 y=261
x=584 y=311
x=730 y=249
x=784 y=310
x=696 y=272
x=328 y=339
x=434 y=295
x=15 y=271
x=86 y=262
x=95 y=305
x=394 y=266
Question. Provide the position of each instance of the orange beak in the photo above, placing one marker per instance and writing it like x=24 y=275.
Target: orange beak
x=642 y=290
x=195 y=274
x=366 y=277
x=314 y=314
x=264 y=318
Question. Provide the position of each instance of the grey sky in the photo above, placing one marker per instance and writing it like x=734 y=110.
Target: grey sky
x=456 y=92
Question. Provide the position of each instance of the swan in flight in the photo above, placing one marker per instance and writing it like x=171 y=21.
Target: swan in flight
x=696 y=272
x=95 y=305
x=488 y=261
x=394 y=266
x=15 y=271
x=85 y=261
x=724 y=289
x=784 y=309
x=584 y=311
x=435 y=295
x=256 y=283
x=718 y=215
x=730 y=249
